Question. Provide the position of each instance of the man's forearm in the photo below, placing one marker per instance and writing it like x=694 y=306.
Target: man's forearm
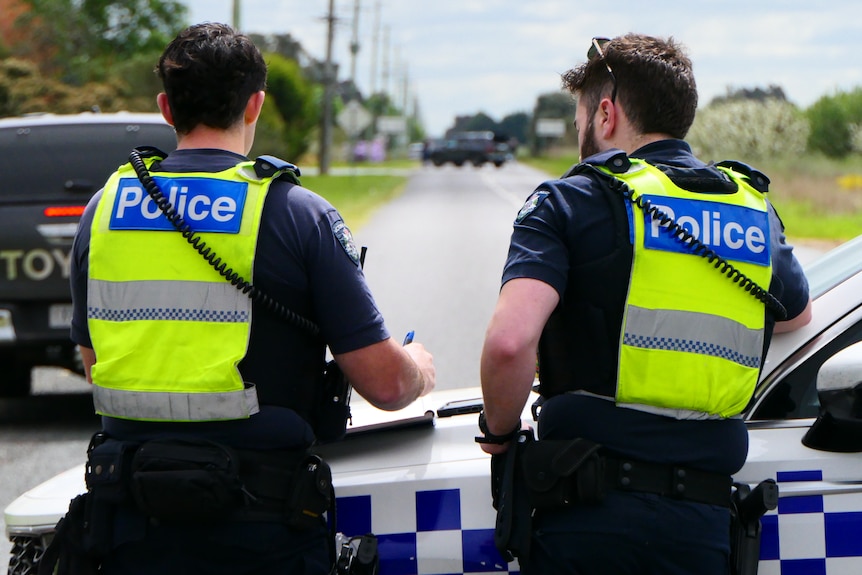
x=506 y=388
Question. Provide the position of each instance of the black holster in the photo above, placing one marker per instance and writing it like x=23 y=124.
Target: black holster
x=513 y=528
x=747 y=508
x=534 y=475
x=561 y=473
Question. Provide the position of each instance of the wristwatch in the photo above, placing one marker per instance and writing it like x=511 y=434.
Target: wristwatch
x=488 y=437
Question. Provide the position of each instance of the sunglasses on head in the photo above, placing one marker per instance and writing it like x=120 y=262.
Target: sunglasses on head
x=597 y=51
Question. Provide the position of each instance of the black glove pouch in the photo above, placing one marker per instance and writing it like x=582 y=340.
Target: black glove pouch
x=311 y=494
x=332 y=409
x=563 y=473
x=186 y=480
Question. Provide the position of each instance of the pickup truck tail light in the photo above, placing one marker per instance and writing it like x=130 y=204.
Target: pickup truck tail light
x=64 y=211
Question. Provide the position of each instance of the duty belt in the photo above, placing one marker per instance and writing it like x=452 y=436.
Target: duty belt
x=668 y=480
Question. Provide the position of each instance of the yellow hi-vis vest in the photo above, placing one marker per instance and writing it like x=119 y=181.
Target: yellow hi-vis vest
x=169 y=331
x=692 y=338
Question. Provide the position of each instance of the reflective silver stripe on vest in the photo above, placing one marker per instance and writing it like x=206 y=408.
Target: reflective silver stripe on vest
x=164 y=406
x=665 y=411
x=693 y=332
x=166 y=300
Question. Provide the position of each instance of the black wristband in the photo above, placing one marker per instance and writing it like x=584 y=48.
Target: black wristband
x=489 y=437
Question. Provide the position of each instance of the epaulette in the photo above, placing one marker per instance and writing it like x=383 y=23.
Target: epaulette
x=758 y=180
x=150 y=152
x=618 y=163
x=270 y=166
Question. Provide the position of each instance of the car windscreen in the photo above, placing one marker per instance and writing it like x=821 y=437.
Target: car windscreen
x=834 y=267
x=70 y=162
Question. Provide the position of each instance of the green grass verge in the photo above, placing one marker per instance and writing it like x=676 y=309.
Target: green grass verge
x=356 y=196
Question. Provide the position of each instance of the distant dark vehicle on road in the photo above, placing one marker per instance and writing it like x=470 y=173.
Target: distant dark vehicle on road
x=50 y=166
x=477 y=148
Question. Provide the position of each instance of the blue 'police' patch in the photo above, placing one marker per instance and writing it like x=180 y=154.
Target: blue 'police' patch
x=345 y=238
x=533 y=202
x=206 y=204
x=733 y=232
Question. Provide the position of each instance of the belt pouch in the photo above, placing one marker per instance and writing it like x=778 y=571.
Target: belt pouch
x=332 y=408
x=311 y=493
x=563 y=473
x=186 y=480
x=107 y=477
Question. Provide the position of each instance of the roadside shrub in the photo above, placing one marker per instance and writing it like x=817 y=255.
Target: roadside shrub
x=749 y=130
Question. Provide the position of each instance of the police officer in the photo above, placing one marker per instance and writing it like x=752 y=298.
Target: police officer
x=645 y=347
x=173 y=350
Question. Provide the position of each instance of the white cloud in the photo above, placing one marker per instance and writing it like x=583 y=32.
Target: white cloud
x=497 y=56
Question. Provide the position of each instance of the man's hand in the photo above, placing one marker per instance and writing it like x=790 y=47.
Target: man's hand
x=425 y=362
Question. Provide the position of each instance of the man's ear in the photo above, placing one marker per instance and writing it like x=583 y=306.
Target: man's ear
x=607 y=118
x=253 y=107
x=165 y=108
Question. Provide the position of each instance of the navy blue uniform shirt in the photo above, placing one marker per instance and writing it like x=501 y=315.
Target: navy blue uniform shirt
x=572 y=225
x=301 y=263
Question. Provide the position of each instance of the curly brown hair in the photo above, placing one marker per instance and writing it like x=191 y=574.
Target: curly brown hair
x=654 y=82
x=209 y=72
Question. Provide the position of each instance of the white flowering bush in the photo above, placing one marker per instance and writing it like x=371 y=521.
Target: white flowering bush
x=749 y=130
x=856 y=137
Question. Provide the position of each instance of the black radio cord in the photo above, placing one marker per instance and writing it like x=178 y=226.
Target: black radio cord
x=699 y=248
x=179 y=223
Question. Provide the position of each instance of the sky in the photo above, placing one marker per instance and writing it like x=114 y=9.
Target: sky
x=462 y=57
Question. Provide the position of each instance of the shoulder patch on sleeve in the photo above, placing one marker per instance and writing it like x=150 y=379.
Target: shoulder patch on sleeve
x=533 y=202
x=345 y=238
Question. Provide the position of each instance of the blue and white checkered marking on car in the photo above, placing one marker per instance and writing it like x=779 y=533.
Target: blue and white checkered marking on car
x=805 y=535
x=441 y=526
x=207 y=204
x=812 y=534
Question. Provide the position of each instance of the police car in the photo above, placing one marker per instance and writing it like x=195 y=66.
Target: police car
x=417 y=480
x=50 y=166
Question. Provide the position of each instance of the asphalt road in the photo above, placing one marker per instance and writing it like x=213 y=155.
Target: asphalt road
x=434 y=260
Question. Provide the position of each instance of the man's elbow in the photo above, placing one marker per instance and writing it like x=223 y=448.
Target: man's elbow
x=795 y=323
x=393 y=396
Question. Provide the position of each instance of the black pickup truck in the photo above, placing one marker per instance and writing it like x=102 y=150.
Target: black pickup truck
x=477 y=148
x=50 y=166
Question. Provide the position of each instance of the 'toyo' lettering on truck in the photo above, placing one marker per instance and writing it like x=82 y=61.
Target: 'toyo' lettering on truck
x=208 y=205
x=733 y=232
x=37 y=265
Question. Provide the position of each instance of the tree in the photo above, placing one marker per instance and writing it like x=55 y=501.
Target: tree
x=295 y=100
x=773 y=92
x=84 y=40
x=515 y=126
x=835 y=123
x=554 y=105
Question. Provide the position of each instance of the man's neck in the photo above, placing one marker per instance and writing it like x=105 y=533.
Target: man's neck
x=210 y=138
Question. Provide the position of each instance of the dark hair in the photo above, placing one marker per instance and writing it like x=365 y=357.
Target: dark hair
x=209 y=72
x=655 y=83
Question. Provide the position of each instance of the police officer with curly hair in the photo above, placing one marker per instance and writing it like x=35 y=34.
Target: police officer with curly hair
x=649 y=283
x=208 y=397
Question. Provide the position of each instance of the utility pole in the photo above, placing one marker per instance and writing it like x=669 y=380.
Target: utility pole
x=375 y=40
x=385 y=88
x=354 y=43
x=326 y=120
x=236 y=11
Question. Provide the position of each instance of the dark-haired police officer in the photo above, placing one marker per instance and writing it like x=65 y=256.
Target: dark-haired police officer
x=645 y=347
x=181 y=358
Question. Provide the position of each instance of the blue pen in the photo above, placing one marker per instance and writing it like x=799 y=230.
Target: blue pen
x=408 y=338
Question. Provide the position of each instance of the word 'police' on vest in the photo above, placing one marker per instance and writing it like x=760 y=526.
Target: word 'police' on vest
x=206 y=204
x=731 y=231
